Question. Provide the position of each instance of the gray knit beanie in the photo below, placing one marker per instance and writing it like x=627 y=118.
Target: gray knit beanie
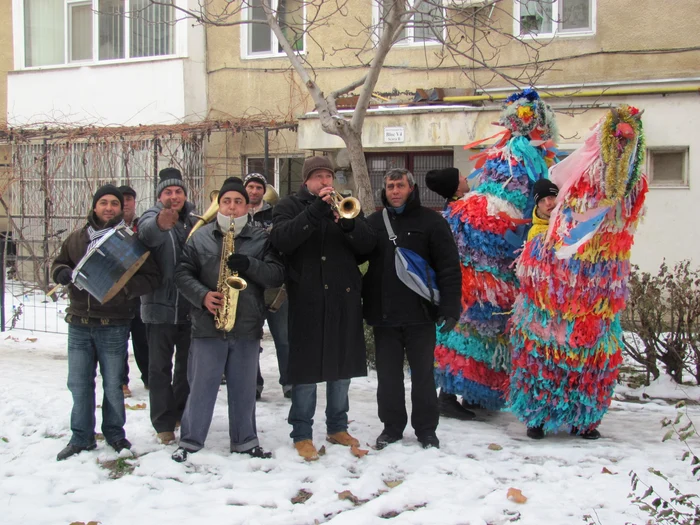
x=170 y=177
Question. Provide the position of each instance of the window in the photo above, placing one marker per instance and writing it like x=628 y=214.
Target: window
x=668 y=166
x=418 y=163
x=554 y=17
x=287 y=177
x=259 y=39
x=65 y=31
x=426 y=24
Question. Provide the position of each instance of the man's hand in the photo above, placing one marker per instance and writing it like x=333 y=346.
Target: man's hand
x=65 y=276
x=213 y=301
x=446 y=324
x=168 y=217
x=237 y=262
x=325 y=196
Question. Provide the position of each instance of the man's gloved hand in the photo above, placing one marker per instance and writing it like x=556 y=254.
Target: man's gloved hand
x=446 y=324
x=64 y=276
x=238 y=262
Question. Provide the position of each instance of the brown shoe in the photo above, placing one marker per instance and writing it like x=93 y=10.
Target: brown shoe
x=166 y=438
x=125 y=389
x=306 y=450
x=342 y=438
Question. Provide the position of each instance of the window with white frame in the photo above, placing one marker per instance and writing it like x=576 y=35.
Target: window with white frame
x=554 y=17
x=65 y=31
x=425 y=26
x=258 y=38
x=668 y=166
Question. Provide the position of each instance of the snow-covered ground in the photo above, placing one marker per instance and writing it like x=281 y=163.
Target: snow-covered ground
x=465 y=482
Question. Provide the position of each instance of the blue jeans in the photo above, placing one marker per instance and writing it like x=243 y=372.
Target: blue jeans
x=107 y=346
x=301 y=414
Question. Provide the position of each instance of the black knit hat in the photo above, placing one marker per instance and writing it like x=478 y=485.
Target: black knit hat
x=107 y=189
x=127 y=190
x=443 y=182
x=544 y=188
x=255 y=177
x=170 y=177
x=233 y=184
x=312 y=164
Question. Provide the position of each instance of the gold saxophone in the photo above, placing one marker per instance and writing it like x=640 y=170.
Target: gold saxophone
x=229 y=284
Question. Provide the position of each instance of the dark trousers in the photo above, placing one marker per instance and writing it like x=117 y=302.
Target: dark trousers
x=278 y=325
x=168 y=387
x=139 y=342
x=417 y=343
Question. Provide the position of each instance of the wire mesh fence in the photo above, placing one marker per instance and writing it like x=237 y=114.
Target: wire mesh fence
x=53 y=184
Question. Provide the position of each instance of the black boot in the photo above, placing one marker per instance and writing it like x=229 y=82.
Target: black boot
x=450 y=407
x=387 y=438
x=72 y=450
x=589 y=434
x=429 y=441
x=121 y=445
x=257 y=452
x=180 y=455
x=535 y=432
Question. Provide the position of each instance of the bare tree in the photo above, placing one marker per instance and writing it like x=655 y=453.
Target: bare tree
x=471 y=40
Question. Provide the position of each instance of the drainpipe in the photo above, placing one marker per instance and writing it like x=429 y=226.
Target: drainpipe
x=585 y=93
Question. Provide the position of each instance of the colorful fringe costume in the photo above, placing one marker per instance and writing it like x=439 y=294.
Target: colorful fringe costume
x=473 y=360
x=573 y=282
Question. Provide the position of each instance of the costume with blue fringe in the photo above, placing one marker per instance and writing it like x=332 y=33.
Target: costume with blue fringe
x=488 y=226
x=566 y=330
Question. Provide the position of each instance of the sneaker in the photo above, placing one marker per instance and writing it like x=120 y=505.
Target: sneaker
x=535 y=432
x=306 y=450
x=342 y=438
x=72 y=450
x=451 y=408
x=166 y=438
x=589 y=434
x=120 y=445
x=125 y=389
x=385 y=439
x=180 y=455
x=430 y=441
x=257 y=452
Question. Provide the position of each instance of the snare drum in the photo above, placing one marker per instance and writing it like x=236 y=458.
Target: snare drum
x=109 y=265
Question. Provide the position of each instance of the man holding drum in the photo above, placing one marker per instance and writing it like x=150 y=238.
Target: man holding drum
x=98 y=333
x=164 y=229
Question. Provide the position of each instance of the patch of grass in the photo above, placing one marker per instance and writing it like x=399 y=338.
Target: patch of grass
x=118 y=468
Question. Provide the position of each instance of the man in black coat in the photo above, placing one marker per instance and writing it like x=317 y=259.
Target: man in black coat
x=164 y=229
x=326 y=337
x=215 y=351
x=404 y=322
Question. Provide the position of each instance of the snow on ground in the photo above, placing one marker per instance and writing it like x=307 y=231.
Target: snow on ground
x=464 y=482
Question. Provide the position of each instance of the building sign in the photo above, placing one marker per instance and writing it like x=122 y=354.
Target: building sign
x=393 y=135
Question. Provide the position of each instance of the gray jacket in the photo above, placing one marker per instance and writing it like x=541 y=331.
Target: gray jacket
x=165 y=305
x=198 y=273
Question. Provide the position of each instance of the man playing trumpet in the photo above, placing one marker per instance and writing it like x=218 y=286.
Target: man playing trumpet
x=326 y=339
x=225 y=267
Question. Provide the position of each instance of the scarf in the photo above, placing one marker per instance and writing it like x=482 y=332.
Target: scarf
x=96 y=235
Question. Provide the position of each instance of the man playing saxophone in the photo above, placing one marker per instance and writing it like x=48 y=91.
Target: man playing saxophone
x=225 y=267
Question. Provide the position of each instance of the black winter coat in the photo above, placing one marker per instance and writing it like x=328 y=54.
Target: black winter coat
x=122 y=307
x=389 y=302
x=164 y=305
x=326 y=338
x=198 y=273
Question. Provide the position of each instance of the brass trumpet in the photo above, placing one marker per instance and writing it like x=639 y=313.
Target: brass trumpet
x=346 y=207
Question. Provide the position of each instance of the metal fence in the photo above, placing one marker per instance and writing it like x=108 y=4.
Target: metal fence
x=53 y=184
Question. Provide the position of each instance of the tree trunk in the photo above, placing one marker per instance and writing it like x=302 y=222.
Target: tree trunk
x=360 y=172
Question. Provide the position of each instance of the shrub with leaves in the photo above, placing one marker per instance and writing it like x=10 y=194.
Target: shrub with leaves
x=663 y=318
x=677 y=508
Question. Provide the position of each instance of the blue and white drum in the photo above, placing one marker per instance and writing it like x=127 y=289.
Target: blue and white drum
x=108 y=266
